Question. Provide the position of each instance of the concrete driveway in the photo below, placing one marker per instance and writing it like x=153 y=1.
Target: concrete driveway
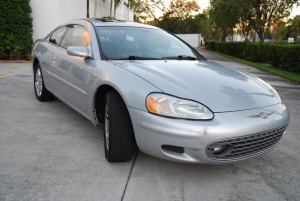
x=50 y=152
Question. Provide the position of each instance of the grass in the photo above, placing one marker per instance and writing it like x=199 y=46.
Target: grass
x=282 y=73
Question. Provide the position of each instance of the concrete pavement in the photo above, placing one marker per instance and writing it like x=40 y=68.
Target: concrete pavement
x=47 y=150
x=50 y=152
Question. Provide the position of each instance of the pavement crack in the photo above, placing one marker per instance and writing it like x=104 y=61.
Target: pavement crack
x=129 y=175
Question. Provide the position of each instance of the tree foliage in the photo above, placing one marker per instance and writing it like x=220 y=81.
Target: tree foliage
x=279 y=29
x=144 y=10
x=181 y=17
x=16 y=29
x=183 y=8
x=293 y=29
x=245 y=15
x=266 y=12
x=257 y=14
x=224 y=15
x=117 y=3
x=206 y=26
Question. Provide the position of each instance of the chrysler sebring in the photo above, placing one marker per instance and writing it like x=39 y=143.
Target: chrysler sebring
x=151 y=90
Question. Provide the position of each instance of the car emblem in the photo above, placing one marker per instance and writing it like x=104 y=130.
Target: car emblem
x=261 y=114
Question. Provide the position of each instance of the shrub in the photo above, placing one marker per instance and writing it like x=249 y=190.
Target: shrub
x=211 y=44
x=273 y=57
x=253 y=52
x=15 y=30
x=289 y=57
x=285 y=56
x=265 y=54
x=236 y=49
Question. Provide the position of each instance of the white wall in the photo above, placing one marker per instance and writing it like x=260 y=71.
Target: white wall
x=49 y=14
x=103 y=10
x=193 y=40
x=45 y=15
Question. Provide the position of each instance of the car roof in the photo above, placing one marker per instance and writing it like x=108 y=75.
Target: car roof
x=110 y=22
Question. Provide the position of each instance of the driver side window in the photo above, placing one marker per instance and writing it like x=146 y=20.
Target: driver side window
x=76 y=36
x=57 y=35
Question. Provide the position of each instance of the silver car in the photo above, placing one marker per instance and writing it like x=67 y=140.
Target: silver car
x=153 y=91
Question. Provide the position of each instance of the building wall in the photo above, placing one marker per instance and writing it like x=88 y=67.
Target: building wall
x=193 y=40
x=49 y=14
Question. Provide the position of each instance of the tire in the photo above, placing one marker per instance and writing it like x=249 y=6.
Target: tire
x=119 y=141
x=41 y=93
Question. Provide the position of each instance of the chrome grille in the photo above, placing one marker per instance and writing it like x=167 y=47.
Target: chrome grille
x=246 y=146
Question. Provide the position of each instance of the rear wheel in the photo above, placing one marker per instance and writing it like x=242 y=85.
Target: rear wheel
x=119 y=142
x=41 y=93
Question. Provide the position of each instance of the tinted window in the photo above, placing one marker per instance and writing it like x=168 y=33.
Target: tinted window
x=76 y=36
x=121 y=42
x=57 y=35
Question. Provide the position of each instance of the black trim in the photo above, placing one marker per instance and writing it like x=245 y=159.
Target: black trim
x=246 y=146
x=64 y=36
x=98 y=40
x=171 y=148
x=58 y=44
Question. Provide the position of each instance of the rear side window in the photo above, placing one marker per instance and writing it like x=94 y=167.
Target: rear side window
x=57 y=35
x=76 y=36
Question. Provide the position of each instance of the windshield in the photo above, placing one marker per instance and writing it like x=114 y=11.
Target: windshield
x=141 y=43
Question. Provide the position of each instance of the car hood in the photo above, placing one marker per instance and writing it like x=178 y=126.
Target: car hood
x=220 y=87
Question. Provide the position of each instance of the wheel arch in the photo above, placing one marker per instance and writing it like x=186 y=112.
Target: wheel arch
x=34 y=63
x=132 y=88
x=99 y=100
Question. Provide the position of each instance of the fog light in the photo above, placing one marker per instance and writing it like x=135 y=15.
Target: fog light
x=219 y=149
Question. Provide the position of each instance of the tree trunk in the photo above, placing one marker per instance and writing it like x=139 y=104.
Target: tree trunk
x=115 y=10
x=224 y=35
x=110 y=10
x=261 y=37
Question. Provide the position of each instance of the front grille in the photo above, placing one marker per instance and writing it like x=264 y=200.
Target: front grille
x=246 y=146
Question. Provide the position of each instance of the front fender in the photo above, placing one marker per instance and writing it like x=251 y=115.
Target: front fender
x=132 y=88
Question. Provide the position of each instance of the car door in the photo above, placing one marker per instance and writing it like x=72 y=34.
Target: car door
x=48 y=60
x=71 y=71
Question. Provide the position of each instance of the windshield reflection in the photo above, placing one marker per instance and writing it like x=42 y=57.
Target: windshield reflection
x=141 y=43
x=226 y=71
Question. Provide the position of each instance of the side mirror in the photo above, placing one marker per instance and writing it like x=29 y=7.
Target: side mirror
x=78 y=51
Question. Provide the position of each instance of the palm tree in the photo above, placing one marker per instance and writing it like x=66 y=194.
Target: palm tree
x=117 y=3
x=110 y=10
x=129 y=4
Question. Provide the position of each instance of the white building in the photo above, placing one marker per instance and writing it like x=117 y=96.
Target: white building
x=49 y=14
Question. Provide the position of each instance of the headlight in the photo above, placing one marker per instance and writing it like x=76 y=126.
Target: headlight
x=171 y=106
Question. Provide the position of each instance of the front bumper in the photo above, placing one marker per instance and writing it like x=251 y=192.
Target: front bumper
x=152 y=132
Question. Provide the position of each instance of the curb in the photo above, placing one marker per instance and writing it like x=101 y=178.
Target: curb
x=14 y=61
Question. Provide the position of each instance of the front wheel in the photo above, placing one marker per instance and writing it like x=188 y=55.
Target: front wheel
x=41 y=93
x=119 y=142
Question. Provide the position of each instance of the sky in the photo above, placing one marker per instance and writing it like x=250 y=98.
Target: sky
x=204 y=3
x=296 y=11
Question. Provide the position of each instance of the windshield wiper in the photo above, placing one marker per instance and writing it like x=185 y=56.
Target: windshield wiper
x=133 y=58
x=185 y=57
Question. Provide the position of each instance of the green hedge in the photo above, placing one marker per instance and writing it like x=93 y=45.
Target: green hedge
x=286 y=56
x=211 y=44
x=231 y=48
x=289 y=57
x=15 y=29
x=252 y=52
